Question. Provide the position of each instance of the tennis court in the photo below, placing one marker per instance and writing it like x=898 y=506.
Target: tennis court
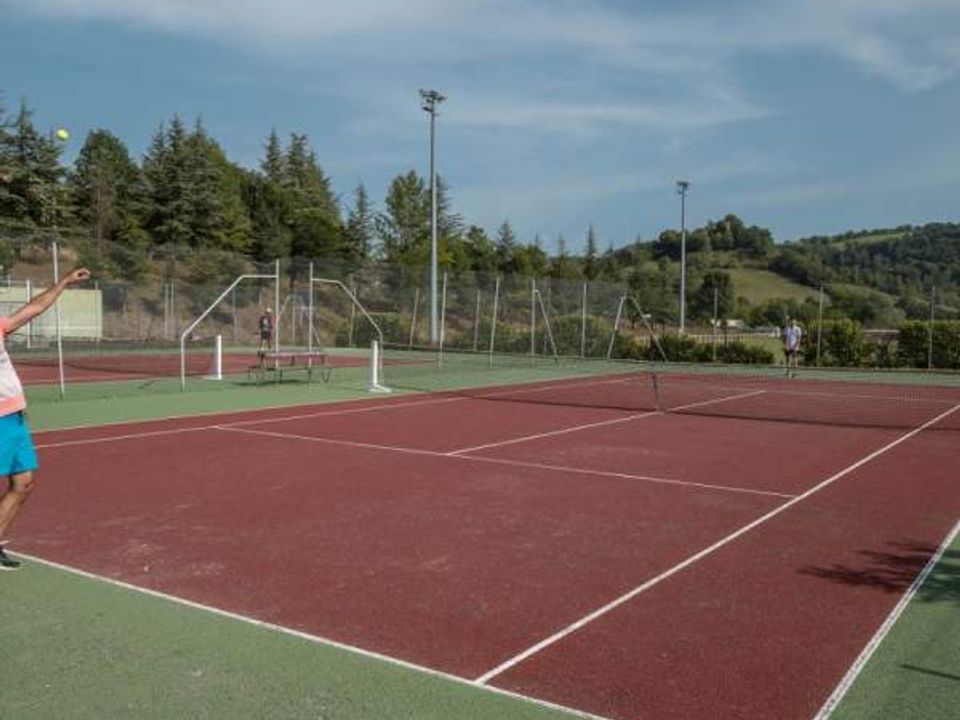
x=622 y=545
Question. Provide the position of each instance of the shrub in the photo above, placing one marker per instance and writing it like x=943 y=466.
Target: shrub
x=913 y=345
x=841 y=344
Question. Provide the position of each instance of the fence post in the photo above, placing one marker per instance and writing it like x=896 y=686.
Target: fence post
x=819 y=324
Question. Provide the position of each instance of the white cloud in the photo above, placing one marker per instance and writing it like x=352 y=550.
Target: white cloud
x=880 y=36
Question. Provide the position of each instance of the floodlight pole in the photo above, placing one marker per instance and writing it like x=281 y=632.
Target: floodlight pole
x=432 y=98
x=682 y=186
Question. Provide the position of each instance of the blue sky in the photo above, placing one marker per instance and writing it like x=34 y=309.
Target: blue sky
x=807 y=117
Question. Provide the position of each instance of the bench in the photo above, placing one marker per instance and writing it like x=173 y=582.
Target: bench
x=287 y=362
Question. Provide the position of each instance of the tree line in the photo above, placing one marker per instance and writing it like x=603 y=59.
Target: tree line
x=184 y=204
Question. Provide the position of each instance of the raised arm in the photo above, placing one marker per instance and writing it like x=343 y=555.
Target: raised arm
x=44 y=300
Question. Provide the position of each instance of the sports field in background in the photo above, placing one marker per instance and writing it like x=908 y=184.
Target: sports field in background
x=530 y=541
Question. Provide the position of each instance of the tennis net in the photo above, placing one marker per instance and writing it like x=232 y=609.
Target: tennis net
x=844 y=398
x=105 y=358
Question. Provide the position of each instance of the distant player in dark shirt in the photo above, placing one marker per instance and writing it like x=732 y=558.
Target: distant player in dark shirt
x=266 y=333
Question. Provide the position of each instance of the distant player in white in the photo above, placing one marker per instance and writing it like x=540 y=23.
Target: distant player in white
x=792 y=336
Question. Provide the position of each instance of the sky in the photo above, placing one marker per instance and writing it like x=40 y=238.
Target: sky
x=805 y=117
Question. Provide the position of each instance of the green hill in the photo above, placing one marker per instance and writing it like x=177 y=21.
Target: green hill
x=758 y=286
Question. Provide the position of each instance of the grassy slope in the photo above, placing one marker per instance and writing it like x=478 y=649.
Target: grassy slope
x=759 y=285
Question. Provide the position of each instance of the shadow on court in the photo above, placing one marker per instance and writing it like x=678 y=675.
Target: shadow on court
x=894 y=571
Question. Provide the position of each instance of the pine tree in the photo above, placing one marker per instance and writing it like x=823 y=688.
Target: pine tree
x=590 y=266
x=167 y=169
x=31 y=179
x=560 y=262
x=106 y=186
x=506 y=248
x=359 y=232
x=316 y=225
x=272 y=165
x=480 y=251
x=450 y=254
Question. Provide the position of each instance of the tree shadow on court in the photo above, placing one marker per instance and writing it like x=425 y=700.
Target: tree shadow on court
x=895 y=570
x=931 y=672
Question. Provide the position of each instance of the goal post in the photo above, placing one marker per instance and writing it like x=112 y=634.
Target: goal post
x=192 y=326
x=376 y=346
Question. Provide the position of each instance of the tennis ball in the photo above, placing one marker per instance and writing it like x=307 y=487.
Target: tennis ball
x=62 y=134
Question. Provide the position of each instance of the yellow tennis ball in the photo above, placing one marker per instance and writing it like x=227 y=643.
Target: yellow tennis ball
x=62 y=134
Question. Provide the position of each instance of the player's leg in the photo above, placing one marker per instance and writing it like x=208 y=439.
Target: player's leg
x=19 y=488
x=18 y=461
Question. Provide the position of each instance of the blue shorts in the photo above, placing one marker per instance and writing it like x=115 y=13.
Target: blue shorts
x=16 y=449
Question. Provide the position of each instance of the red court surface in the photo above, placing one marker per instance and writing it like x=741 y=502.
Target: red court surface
x=624 y=564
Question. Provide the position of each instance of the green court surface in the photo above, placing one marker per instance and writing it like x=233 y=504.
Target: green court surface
x=915 y=673
x=80 y=648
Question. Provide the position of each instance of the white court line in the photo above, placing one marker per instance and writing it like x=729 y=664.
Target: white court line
x=325 y=413
x=854 y=672
x=551 y=433
x=600 y=423
x=585 y=620
x=263 y=421
x=625 y=476
x=212 y=413
x=503 y=461
x=115 y=438
x=328 y=441
x=309 y=637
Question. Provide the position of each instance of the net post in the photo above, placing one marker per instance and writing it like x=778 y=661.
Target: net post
x=29 y=324
x=413 y=317
x=376 y=365
x=56 y=312
x=310 y=310
x=276 y=307
x=716 y=318
x=657 y=400
x=443 y=319
x=493 y=324
x=353 y=314
x=533 y=319
x=819 y=324
x=583 y=324
x=476 y=324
